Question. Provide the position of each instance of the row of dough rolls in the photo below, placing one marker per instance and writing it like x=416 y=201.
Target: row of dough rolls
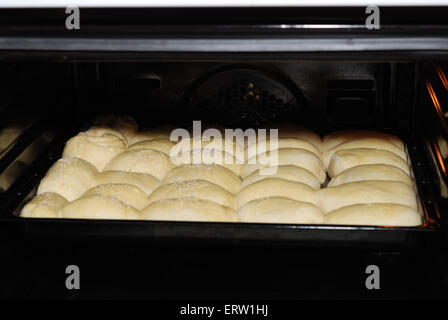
x=114 y=171
x=370 y=182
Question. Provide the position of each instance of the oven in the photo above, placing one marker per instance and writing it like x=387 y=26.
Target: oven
x=319 y=67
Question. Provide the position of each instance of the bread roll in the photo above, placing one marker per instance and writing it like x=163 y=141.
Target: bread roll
x=293 y=131
x=68 y=177
x=375 y=214
x=230 y=146
x=288 y=156
x=371 y=172
x=45 y=205
x=262 y=146
x=280 y=210
x=332 y=198
x=127 y=193
x=287 y=172
x=159 y=132
x=189 y=209
x=162 y=145
x=370 y=143
x=276 y=187
x=335 y=138
x=216 y=174
x=98 y=207
x=146 y=182
x=209 y=156
x=199 y=189
x=125 y=124
x=96 y=145
x=147 y=161
x=346 y=159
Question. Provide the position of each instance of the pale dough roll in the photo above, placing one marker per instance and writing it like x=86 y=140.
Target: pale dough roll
x=276 y=187
x=288 y=156
x=287 y=172
x=346 y=159
x=152 y=162
x=162 y=145
x=189 y=209
x=95 y=146
x=98 y=207
x=375 y=214
x=146 y=182
x=229 y=146
x=127 y=193
x=199 y=189
x=125 y=124
x=280 y=210
x=210 y=156
x=216 y=174
x=159 y=132
x=369 y=143
x=100 y=131
x=332 y=198
x=293 y=131
x=265 y=145
x=335 y=138
x=371 y=172
x=69 y=177
x=45 y=205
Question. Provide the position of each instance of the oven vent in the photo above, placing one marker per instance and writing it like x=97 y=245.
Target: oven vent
x=351 y=101
x=247 y=96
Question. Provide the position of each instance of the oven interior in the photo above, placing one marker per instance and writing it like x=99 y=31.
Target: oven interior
x=50 y=101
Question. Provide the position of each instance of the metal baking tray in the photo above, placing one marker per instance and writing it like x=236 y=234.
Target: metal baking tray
x=151 y=232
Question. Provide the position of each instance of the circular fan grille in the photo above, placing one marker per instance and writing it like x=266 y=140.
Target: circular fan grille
x=244 y=97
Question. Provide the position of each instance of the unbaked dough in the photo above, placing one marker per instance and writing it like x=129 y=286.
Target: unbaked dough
x=199 y=189
x=45 y=205
x=276 y=187
x=335 y=138
x=229 y=146
x=96 y=145
x=144 y=181
x=332 y=198
x=287 y=172
x=294 y=131
x=127 y=193
x=125 y=124
x=69 y=177
x=159 y=132
x=162 y=145
x=265 y=145
x=210 y=156
x=214 y=173
x=371 y=172
x=148 y=161
x=375 y=214
x=280 y=210
x=346 y=159
x=98 y=207
x=370 y=143
x=288 y=156
x=189 y=209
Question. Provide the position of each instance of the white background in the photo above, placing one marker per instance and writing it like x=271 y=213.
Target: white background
x=213 y=3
